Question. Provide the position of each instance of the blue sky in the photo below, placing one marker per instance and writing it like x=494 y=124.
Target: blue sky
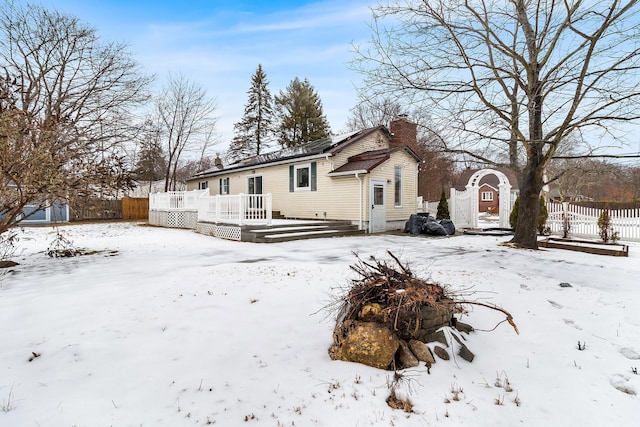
x=219 y=45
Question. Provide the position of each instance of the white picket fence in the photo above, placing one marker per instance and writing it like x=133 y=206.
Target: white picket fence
x=583 y=221
x=239 y=209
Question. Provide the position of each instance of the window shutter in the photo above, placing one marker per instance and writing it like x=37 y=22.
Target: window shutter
x=314 y=185
x=220 y=188
x=290 y=178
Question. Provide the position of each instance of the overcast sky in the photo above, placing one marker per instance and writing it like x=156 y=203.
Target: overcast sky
x=219 y=45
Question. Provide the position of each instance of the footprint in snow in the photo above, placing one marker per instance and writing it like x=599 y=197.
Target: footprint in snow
x=555 y=304
x=630 y=353
x=572 y=324
x=621 y=382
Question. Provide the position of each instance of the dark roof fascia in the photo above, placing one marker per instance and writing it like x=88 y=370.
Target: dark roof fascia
x=377 y=161
x=488 y=185
x=380 y=156
x=347 y=173
x=408 y=150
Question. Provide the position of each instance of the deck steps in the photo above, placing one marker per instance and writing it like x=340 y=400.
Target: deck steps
x=298 y=231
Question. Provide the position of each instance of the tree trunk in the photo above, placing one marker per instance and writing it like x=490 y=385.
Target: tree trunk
x=526 y=232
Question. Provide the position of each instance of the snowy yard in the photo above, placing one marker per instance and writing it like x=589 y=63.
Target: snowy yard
x=181 y=329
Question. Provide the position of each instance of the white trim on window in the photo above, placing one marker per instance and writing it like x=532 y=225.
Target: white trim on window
x=223 y=187
x=397 y=186
x=254 y=180
x=300 y=177
x=487 y=196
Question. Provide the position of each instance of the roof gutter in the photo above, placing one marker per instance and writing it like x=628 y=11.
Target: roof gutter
x=347 y=173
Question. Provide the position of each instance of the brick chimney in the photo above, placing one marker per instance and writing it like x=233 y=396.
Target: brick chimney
x=218 y=161
x=404 y=132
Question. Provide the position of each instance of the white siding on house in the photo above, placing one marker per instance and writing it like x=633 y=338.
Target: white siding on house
x=336 y=198
x=409 y=185
x=375 y=141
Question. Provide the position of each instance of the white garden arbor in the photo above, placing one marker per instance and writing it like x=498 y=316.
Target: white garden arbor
x=463 y=205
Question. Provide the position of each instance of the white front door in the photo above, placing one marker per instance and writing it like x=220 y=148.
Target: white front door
x=378 y=212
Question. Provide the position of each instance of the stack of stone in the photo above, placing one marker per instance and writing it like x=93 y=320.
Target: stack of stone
x=372 y=340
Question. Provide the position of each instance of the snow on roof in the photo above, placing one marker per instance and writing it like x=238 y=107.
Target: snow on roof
x=317 y=146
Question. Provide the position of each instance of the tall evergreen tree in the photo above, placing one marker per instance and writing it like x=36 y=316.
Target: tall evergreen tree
x=254 y=132
x=151 y=163
x=300 y=112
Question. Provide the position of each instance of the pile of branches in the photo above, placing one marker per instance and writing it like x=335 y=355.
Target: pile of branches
x=396 y=290
x=400 y=295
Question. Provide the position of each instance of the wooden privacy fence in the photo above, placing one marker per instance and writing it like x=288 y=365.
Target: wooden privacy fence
x=583 y=221
x=95 y=209
x=129 y=208
x=135 y=208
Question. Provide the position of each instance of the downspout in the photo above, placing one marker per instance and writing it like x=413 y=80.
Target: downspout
x=361 y=219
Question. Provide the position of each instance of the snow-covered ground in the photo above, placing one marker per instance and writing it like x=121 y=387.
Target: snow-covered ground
x=181 y=329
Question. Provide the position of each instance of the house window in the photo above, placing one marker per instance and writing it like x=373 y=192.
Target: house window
x=224 y=186
x=254 y=184
x=303 y=177
x=487 y=196
x=303 y=174
x=203 y=185
x=397 y=186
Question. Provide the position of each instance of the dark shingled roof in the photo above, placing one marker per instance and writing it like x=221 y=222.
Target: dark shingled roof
x=369 y=160
x=329 y=144
x=359 y=163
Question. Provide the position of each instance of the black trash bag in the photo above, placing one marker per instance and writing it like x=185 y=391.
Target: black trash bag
x=415 y=223
x=433 y=228
x=406 y=227
x=448 y=226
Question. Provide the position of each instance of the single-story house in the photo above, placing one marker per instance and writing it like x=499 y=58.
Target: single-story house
x=362 y=176
x=488 y=188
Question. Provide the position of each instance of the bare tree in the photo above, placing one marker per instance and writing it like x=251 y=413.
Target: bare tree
x=374 y=111
x=511 y=79
x=65 y=102
x=436 y=169
x=184 y=114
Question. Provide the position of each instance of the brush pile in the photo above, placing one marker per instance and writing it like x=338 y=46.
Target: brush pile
x=388 y=316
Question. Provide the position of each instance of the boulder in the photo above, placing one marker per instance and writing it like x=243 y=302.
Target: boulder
x=406 y=358
x=441 y=352
x=369 y=343
x=437 y=336
x=463 y=327
x=463 y=350
x=421 y=351
x=373 y=313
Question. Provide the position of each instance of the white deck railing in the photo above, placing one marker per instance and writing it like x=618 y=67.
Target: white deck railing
x=583 y=221
x=237 y=209
x=176 y=200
